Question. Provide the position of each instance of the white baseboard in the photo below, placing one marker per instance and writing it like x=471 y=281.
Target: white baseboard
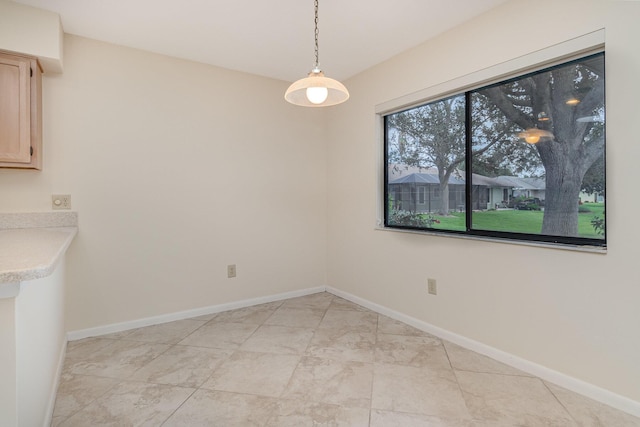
x=54 y=388
x=581 y=387
x=171 y=317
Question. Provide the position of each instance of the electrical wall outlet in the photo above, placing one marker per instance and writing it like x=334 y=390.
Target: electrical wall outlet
x=61 y=201
x=231 y=270
x=432 y=288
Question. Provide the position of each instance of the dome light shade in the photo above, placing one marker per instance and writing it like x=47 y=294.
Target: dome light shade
x=533 y=135
x=310 y=91
x=316 y=90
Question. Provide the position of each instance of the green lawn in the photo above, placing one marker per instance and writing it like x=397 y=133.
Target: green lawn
x=518 y=221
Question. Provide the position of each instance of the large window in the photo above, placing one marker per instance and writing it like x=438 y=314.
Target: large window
x=520 y=159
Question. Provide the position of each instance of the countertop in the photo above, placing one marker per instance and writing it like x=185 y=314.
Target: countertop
x=32 y=244
x=32 y=253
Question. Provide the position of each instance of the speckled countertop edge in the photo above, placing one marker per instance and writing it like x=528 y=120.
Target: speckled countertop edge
x=38 y=219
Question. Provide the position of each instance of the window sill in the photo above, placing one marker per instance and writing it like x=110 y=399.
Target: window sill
x=546 y=245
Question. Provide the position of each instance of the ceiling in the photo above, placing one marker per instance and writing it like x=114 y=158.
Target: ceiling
x=272 y=38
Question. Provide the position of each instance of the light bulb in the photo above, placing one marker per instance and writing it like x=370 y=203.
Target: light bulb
x=317 y=95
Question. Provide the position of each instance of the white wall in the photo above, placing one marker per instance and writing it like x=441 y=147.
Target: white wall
x=32 y=31
x=572 y=312
x=176 y=169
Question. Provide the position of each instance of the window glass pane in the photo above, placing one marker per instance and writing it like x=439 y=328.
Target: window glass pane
x=425 y=154
x=538 y=153
x=535 y=158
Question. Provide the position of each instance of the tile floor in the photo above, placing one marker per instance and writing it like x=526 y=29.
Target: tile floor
x=317 y=360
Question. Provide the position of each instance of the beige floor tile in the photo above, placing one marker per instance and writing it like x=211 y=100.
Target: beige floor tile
x=417 y=390
x=343 y=304
x=298 y=317
x=205 y=317
x=131 y=404
x=183 y=366
x=412 y=351
x=256 y=314
x=220 y=335
x=320 y=301
x=77 y=391
x=387 y=325
x=166 y=333
x=589 y=413
x=402 y=419
x=262 y=374
x=340 y=345
x=467 y=360
x=349 y=321
x=514 y=400
x=346 y=384
x=86 y=347
x=57 y=420
x=279 y=340
x=118 y=335
x=295 y=413
x=118 y=360
x=316 y=360
x=207 y=408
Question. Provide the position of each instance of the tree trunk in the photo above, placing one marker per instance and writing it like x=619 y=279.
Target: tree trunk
x=575 y=145
x=444 y=193
x=561 y=202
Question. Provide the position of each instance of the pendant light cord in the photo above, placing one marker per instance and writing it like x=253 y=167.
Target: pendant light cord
x=316 y=34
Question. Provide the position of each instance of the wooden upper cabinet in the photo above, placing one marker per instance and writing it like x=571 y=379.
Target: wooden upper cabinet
x=20 y=111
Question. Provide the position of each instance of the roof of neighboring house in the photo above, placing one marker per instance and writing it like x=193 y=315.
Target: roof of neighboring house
x=521 y=183
x=424 y=178
x=404 y=174
x=396 y=171
x=485 y=180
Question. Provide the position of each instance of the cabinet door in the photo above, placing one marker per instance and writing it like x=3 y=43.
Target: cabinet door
x=15 y=109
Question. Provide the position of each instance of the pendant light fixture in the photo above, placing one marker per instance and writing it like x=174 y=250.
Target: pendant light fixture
x=316 y=90
x=533 y=135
